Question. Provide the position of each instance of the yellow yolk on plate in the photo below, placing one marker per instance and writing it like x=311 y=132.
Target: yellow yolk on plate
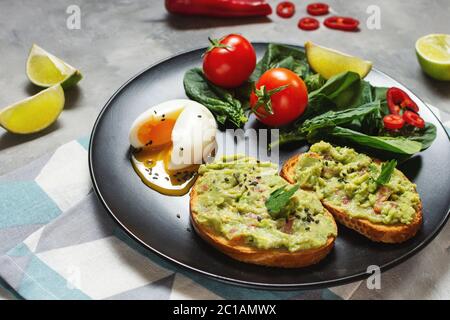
x=151 y=164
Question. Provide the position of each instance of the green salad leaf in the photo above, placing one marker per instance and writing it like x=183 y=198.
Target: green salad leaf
x=425 y=136
x=223 y=103
x=396 y=145
x=387 y=169
x=282 y=56
x=278 y=199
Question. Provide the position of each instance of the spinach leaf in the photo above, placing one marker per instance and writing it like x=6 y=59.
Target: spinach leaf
x=397 y=145
x=314 y=82
x=334 y=118
x=278 y=55
x=387 y=169
x=278 y=199
x=425 y=136
x=221 y=102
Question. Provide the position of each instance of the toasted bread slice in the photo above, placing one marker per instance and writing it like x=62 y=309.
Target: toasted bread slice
x=393 y=233
x=238 y=250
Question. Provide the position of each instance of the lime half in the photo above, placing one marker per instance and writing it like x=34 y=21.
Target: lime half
x=46 y=70
x=433 y=53
x=328 y=62
x=34 y=113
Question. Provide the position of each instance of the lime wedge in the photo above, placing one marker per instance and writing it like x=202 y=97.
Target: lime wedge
x=433 y=53
x=328 y=62
x=34 y=113
x=46 y=70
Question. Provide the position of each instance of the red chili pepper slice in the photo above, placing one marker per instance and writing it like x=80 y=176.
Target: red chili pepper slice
x=308 y=24
x=286 y=9
x=413 y=119
x=393 y=121
x=317 y=9
x=398 y=99
x=342 y=23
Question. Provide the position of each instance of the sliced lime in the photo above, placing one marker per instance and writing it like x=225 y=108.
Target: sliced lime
x=328 y=62
x=433 y=53
x=46 y=70
x=34 y=113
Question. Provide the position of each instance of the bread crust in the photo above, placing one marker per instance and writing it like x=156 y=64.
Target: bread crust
x=238 y=250
x=395 y=233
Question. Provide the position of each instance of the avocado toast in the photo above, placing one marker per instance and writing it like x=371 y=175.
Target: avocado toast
x=346 y=183
x=228 y=210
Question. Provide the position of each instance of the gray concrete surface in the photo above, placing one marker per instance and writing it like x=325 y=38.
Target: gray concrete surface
x=118 y=38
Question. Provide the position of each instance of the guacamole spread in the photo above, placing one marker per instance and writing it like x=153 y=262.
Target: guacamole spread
x=347 y=179
x=231 y=201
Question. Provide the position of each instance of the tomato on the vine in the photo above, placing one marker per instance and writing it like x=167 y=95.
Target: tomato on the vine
x=230 y=61
x=280 y=97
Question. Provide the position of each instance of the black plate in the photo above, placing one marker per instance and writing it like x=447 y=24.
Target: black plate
x=152 y=219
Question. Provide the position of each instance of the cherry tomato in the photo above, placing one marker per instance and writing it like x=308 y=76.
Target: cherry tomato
x=393 y=121
x=308 y=24
x=286 y=9
x=341 y=23
x=230 y=61
x=398 y=99
x=280 y=96
x=413 y=119
x=317 y=9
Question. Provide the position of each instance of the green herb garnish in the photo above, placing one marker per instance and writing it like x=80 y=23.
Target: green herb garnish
x=278 y=199
x=387 y=169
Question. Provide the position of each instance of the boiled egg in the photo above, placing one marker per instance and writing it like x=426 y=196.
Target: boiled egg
x=170 y=141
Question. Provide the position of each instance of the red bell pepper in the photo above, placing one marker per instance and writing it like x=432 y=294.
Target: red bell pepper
x=219 y=8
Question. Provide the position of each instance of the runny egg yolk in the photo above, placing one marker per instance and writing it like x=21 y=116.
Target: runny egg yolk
x=157 y=131
x=151 y=162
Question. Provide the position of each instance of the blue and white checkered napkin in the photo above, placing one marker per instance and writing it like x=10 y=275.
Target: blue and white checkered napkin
x=57 y=242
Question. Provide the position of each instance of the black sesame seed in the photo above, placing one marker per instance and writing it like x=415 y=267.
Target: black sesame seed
x=178 y=216
x=167 y=178
x=259 y=218
x=163 y=119
x=307 y=228
x=258 y=177
x=154 y=111
x=199 y=116
x=163 y=115
x=317 y=221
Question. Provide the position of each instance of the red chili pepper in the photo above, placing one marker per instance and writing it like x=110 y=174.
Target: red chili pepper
x=413 y=119
x=393 y=121
x=308 y=24
x=398 y=99
x=317 y=9
x=342 y=23
x=286 y=9
x=219 y=8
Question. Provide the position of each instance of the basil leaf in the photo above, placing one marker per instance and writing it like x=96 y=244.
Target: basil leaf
x=387 y=169
x=278 y=199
